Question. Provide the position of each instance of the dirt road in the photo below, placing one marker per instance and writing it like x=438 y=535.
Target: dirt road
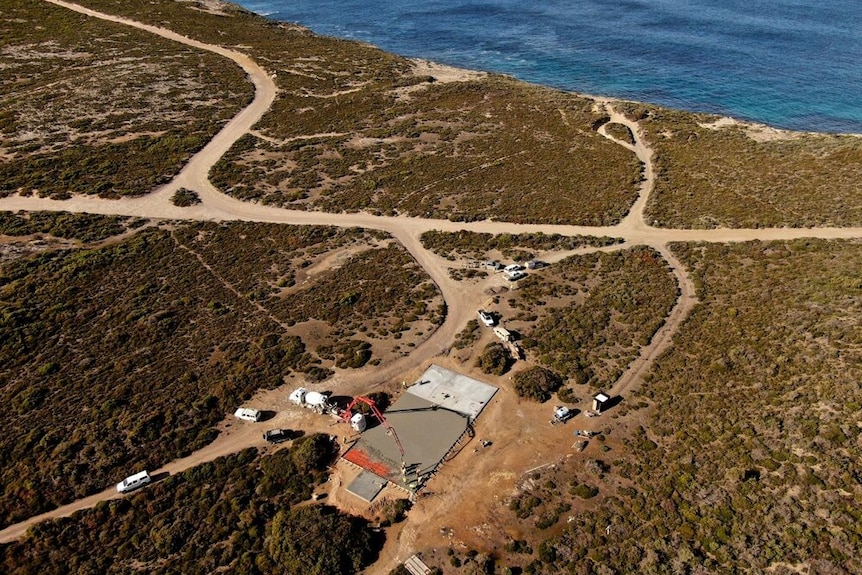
x=461 y=299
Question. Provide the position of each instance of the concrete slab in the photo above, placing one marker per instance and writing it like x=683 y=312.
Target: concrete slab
x=454 y=391
x=427 y=429
x=366 y=486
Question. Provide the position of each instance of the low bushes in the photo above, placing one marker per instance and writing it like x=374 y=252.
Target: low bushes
x=124 y=370
x=495 y=359
x=536 y=383
x=238 y=513
x=184 y=198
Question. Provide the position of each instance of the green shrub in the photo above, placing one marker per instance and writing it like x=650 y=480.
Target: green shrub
x=583 y=491
x=495 y=359
x=536 y=383
x=184 y=198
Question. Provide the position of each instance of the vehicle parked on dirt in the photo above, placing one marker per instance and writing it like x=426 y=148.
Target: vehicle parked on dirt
x=562 y=414
x=514 y=276
x=248 y=414
x=486 y=318
x=277 y=435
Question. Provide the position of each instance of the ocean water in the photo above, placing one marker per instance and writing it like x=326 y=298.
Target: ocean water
x=793 y=64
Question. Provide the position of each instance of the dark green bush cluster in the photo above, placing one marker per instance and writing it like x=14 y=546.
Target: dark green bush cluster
x=620 y=132
x=352 y=353
x=523 y=505
x=566 y=395
x=185 y=198
x=583 y=491
x=467 y=336
x=381 y=400
x=84 y=227
x=495 y=359
x=536 y=383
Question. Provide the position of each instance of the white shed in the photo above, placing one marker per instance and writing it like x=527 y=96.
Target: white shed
x=600 y=402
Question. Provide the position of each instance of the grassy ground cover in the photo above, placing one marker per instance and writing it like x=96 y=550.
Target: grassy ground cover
x=82 y=97
x=82 y=227
x=240 y=513
x=515 y=246
x=725 y=177
x=748 y=461
x=504 y=142
x=107 y=367
x=588 y=316
x=354 y=129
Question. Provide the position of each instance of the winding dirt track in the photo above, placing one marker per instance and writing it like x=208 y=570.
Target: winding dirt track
x=461 y=301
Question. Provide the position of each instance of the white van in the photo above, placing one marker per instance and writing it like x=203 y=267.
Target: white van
x=247 y=414
x=132 y=482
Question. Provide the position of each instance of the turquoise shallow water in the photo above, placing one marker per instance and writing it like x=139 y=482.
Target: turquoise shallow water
x=789 y=63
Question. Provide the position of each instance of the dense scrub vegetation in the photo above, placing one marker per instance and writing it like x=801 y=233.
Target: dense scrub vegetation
x=239 y=513
x=83 y=227
x=594 y=312
x=82 y=97
x=495 y=359
x=185 y=198
x=479 y=245
x=379 y=152
x=750 y=457
x=724 y=177
x=621 y=132
x=354 y=129
x=107 y=369
x=536 y=383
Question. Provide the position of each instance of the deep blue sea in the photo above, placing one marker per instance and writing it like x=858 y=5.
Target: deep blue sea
x=789 y=63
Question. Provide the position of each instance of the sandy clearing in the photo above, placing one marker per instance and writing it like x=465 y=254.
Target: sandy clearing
x=444 y=74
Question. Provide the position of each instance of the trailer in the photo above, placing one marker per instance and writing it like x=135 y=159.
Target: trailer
x=503 y=334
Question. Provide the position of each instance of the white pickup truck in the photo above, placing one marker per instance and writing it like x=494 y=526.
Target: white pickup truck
x=486 y=318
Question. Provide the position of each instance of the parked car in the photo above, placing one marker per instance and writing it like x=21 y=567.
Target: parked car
x=277 y=435
x=513 y=268
x=247 y=414
x=563 y=414
x=486 y=318
x=515 y=275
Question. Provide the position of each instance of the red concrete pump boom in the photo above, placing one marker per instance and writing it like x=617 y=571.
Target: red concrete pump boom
x=370 y=403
